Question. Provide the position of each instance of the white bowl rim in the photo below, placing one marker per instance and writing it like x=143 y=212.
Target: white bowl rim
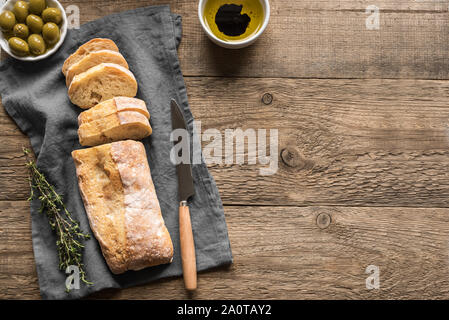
x=236 y=43
x=5 y=47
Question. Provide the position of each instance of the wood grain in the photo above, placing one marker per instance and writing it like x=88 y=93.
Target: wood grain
x=282 y=252
x=343 y=142
x=316 y=39
x=187 y=243
x=359 y=141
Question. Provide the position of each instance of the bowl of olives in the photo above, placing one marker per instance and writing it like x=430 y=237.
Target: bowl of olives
x=32 y=30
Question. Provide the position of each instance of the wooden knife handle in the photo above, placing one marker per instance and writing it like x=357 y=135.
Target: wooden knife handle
x=187 y=248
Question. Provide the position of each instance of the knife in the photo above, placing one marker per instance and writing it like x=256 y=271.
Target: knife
x=185 y=188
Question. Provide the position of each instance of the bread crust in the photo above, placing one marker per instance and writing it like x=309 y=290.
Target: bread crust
x=148 y=240
x=121 y=204
x=111 y=106
x=117 y=126
x=101 y=83
x=90 y=46
x=93 y=59
x=102 y=192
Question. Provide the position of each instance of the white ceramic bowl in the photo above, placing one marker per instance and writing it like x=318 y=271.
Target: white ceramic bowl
x=238 y=43
x=50 y=3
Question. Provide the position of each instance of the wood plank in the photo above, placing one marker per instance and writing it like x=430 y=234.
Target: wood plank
x=281 y=252
x=367 y=143
x=316 y=39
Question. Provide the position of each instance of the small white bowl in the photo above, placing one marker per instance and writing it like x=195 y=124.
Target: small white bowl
x=9 y=5
x=238 y=43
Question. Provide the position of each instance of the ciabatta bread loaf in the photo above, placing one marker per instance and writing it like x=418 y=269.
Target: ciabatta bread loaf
x=101 y=83
x=117 y=126
x=111 y=106
x=90 y=46
x=93 y=59
x=121 y=204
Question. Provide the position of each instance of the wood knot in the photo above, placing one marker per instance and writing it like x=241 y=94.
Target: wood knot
x=267 y=98
x=292 y=158
x=323 y=220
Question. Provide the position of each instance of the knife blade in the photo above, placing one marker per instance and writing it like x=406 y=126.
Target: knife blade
x=185 y=190
x=183 y=170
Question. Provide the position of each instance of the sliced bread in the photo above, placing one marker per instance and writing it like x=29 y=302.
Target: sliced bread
x=93 y=59
x=111 y=106
x=101 y=83
x=96 y=44
x=121 y=125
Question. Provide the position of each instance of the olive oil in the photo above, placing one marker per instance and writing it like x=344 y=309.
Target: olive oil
x=233 y=20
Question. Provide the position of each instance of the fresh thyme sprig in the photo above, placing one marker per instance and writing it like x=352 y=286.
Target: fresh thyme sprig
x=68 y=232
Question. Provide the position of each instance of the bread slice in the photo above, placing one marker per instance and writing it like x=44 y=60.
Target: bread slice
x=101 y=83
x=96 y=44
x=93 y=59
x=111 y=106
x=121 y=204
x=117 y=126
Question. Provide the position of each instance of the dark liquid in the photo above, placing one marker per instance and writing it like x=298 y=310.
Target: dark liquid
x=230 y=21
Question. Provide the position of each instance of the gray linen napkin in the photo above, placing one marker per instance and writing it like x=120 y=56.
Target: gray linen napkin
x=35 y=96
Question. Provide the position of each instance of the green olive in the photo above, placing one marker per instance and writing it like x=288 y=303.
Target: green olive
x=52 y=15
x=7 y=20
x=37 y=44
x=19 y=46
x=21 y=10
x=51 y=33
x=35 y=23
x=21 y=31
x=37 y=6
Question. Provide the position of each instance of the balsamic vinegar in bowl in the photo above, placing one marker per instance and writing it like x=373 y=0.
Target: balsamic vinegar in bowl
x=233 y=20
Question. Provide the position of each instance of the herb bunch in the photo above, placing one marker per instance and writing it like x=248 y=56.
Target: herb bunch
x=68 y=232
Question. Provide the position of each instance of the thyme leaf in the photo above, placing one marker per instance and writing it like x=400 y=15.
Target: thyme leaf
x=68 y=232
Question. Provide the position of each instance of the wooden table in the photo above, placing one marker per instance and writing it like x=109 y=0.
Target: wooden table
x=363 y=173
